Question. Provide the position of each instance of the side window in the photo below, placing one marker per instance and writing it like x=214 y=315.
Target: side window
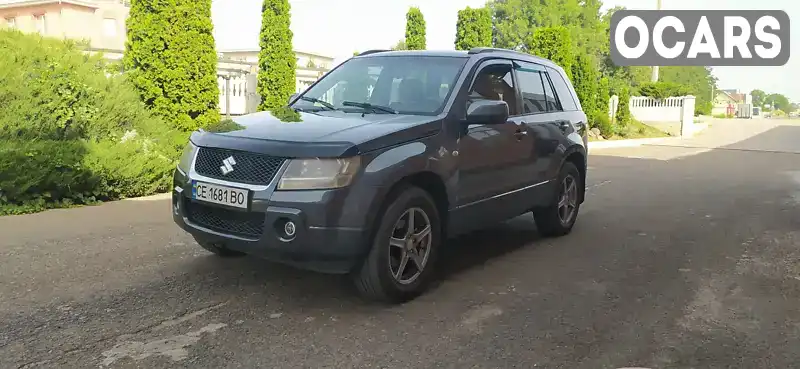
x=563 y=92
x=552 y=101
x=495 y=82
x=532 y=87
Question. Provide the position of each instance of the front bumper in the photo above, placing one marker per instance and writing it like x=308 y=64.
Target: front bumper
x=329 y=236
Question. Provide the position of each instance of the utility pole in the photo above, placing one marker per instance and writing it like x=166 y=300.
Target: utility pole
x=654 y=77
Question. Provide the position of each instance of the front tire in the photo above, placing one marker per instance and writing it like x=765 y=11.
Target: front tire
x=558 y=218
x=405 y=246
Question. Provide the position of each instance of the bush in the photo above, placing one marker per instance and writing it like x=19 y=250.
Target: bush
x=277 y=64
x=585 y=79
x=473 y=28
x=601 y=121
x=662 y=90
x=172 y=61
x=603 y=95
x=71 y=135
x=623 y=116
x=415 y=30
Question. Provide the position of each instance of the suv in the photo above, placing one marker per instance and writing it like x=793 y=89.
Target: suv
x=373 y=166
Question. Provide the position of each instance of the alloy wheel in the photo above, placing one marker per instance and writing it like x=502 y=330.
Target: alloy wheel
x=567 y=200
x=410 y=245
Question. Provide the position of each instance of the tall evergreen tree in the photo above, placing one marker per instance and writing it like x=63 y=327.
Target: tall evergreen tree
x=473 y=28
x=553 y=43
x=415 y=30
x=171 y=59
x=277 y=62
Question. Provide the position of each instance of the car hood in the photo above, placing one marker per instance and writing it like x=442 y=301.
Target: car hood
x=289 y=133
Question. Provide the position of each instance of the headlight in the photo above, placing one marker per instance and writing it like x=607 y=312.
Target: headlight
x=317 y=174
x=186 y=158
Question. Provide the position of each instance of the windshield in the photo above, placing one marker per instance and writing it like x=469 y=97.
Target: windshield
x=417 y=85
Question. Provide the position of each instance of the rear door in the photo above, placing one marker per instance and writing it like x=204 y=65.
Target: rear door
x=540 y=114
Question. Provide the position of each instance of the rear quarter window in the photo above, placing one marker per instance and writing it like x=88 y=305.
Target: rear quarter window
x=564 y=93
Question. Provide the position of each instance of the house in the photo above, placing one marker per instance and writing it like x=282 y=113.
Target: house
x=310 y=66
x=101 y=22
x=727 y=102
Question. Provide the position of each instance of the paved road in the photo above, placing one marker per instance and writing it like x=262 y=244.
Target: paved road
x=685 y=255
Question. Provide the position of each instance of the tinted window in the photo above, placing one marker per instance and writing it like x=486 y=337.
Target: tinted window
x=563 y=92
x=409 y=84
x=532 y=88
x=552 y=102
x=495 y=82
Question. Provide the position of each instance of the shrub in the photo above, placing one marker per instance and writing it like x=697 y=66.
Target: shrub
x=603 y=95
x=623 y=116
x=415 y=30
x=662 y=90
x=277 y=63
x=553 y=43
x=473 y=28
x=71 y=135
x=585 y=78
x=601 y=121
x=172 y=62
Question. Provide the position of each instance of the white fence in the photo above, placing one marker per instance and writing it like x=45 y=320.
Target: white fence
x=241 y=97
x=237 y=94
x=648 y=109
x=669 y=110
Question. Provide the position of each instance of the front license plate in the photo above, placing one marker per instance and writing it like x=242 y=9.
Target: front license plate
x=223 y=195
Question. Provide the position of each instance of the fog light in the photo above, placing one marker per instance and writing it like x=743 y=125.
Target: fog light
x=289 y=229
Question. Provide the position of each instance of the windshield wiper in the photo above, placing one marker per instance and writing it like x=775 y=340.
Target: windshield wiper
x=369 y=106
x=318 y=101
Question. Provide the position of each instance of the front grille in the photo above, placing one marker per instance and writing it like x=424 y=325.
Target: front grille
x=249 y=167
x=247 y=224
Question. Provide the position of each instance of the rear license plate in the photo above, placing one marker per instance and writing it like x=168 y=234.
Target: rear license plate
x=222 y=195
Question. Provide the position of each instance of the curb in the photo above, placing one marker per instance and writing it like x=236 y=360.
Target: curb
x=610 y=144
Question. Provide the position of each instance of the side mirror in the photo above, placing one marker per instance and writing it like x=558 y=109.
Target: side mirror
x=292 y=97
x=487 y=112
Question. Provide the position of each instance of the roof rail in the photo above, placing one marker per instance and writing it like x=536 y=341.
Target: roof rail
x=481 y=50
x=372 y=52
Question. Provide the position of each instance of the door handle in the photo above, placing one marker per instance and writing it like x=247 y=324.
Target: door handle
x=564 y=124
x=520 y=134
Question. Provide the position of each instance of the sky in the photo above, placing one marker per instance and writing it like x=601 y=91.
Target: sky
x=338 y=28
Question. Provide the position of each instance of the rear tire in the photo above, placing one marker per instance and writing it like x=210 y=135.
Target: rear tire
x=554 y=220
x=383 y=276
x=219 y=249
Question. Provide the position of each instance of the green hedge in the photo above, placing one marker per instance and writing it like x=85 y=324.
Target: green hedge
x=70 y=133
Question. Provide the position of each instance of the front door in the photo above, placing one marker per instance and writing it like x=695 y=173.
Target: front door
x=494 y=159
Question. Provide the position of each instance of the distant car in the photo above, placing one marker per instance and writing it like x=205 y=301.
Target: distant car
x=372 y=167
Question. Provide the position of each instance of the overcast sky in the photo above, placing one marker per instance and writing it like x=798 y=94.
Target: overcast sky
x=337 y=28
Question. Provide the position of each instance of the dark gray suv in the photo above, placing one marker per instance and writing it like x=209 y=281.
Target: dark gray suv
x=372 y=167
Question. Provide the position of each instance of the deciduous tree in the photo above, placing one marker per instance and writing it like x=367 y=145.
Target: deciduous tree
x=473 y=28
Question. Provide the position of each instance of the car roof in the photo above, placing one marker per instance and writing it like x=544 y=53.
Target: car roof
x=475 y=52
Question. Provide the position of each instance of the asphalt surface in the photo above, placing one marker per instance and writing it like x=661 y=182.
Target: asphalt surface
x=685 y=255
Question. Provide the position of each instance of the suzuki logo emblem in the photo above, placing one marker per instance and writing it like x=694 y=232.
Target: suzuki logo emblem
x=227 y=165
